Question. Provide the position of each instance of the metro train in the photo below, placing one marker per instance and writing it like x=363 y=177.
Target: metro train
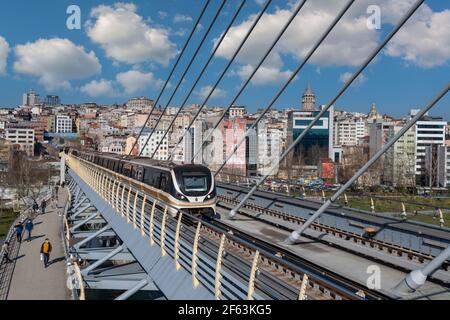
x=186 y=187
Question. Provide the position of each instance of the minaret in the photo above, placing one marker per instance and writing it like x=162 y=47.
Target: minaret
x=308 y=100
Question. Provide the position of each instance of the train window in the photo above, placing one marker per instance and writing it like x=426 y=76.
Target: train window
x=164 y=180
x=195 y=182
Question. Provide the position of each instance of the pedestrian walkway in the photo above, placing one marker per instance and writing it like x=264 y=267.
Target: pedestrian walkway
x=31 y=281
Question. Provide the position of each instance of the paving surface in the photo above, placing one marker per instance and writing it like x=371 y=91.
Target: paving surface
x=31 y=281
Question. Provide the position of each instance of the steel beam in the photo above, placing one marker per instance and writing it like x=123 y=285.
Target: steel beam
x=81 y=211
x=127 y=294
x=96 y=264
x=79 y=203
x=91 y=237
x=83 y=222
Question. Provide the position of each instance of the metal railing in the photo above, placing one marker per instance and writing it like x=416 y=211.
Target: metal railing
x=232 y=268
x=5 y=272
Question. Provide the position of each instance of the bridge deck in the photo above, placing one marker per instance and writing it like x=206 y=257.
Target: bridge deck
x=31 y=281
x=345 y=263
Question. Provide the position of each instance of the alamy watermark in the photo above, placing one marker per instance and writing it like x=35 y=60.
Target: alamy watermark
x=73 y=22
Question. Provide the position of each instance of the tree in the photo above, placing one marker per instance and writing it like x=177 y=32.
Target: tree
x=27 y=177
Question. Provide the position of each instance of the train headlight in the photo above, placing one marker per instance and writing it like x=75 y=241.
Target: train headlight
x=180 y=196
x=212 y=194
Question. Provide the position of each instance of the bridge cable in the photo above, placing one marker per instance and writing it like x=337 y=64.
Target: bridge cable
x=330 y=103
x=280 y=34
x=266 y=5
x=296 y=234
x=201 y=74
x=171 y=73
x=184 y=73
x=291 y=78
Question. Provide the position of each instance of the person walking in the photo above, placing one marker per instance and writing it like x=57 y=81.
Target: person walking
x=19 y=231
x=29 y=227
x=35 y=207
x=5 y=250
x=46 y=248
x=43 y=205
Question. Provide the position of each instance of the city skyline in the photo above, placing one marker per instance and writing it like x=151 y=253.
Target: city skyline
x=108 y=73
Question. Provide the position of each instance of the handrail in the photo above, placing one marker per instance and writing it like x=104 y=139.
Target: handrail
x=234 y=280
x=65 y=236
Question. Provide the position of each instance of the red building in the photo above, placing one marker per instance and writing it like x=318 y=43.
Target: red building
x=233 y=131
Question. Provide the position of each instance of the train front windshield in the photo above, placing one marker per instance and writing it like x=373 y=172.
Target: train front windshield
x=195 y=183
x=193 y=180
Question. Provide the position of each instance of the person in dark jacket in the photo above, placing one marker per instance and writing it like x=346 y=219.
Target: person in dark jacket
x=28 y=227
x=19 y=231
x=35 y=207
x=43 y=206
x=46 y=248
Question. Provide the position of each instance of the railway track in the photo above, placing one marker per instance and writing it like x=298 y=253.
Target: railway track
x=324 y=284
x=280 y=272
x=289 y=222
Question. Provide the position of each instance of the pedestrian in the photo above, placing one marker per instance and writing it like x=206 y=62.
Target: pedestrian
x=19 y=231
x=46 y=248
x=35 y=207
x=28 y=227
x=5 y=250
x=43 y=205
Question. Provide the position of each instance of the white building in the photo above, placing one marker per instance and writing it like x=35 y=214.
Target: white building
x=63 y=124
x=190 y=144
x=443 y=166
x=140 y=104
x=30 y=99
x=348 y=132
x=237 y=111
x=430 y=133
x=401 y=158
x=163 y=151
x=270 y=142
x=24 y=137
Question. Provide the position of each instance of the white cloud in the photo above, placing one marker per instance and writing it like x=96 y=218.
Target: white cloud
x=344 y=77
x=423 y=41
x=56 y=62
x=181 y=18
x=265 y=74
x=126 y=37
x=4 y=50
x=134 y=81
x=348 y=44
x=204 y=92
x=99 y=88
x=260 y=2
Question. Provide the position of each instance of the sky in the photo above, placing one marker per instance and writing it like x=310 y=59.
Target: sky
x=127 y=49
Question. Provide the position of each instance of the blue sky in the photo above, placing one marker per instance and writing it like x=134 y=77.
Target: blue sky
x=127 y=49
